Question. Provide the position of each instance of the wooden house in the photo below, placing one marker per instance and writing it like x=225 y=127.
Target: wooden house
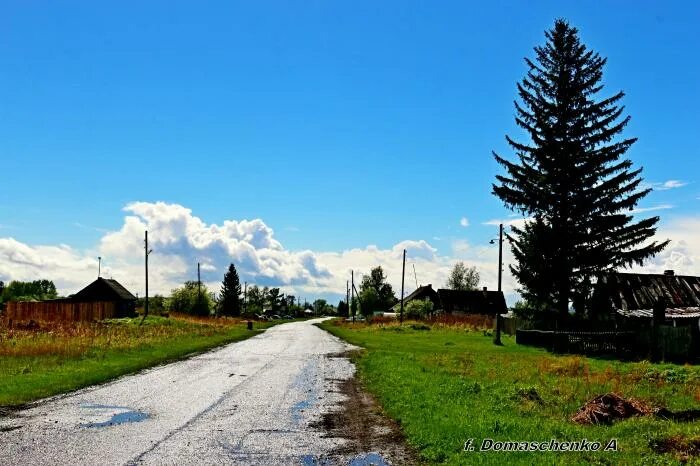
x=108 y=290
x=633 y=296
x=472 y=302
x=460 y=301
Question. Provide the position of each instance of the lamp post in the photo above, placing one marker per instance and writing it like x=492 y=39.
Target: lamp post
x=497 y=338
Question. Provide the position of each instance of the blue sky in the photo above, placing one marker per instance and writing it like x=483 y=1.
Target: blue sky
x=339 y=124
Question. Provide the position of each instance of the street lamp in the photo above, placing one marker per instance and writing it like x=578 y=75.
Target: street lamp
x=497 y=338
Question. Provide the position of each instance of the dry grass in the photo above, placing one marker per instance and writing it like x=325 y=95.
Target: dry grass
x=45 y=359
x=469 y=322
x=73 y=339
x=466 y=321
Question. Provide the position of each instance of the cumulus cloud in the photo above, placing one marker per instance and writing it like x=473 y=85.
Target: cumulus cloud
x=683 y=252
x=464 y=222
x=180 y=239
x=19 y=261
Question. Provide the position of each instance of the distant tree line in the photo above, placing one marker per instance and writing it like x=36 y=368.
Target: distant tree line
x=37 y=290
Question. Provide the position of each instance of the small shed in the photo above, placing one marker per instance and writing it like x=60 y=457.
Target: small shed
x=108 y=290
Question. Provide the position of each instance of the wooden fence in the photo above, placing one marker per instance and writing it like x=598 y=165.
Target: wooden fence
x=512 y=324
x=58 y=311
x=672 y=343
x=680 y=344
x=579 y=342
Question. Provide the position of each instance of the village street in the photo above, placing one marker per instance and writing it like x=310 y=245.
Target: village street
x=250 y=402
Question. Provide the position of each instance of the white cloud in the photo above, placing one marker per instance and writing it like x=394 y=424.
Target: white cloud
x=639 y=210
x=683 y=252
x=515 y=222
x=669 y=184
x=664 y=185
x=180 y=239
x=464 y=222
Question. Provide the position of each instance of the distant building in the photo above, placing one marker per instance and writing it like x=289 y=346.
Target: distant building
x=472 y=302
x=101 y=299
x=422 y=292
x=459 y=301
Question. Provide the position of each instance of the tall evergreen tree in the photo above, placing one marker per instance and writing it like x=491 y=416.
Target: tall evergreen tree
x=230 y=299
x=572 y=177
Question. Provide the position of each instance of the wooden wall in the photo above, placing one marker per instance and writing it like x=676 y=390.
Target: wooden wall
x=58 y=311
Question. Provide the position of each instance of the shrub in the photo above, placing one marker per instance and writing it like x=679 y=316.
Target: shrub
x=418 y=309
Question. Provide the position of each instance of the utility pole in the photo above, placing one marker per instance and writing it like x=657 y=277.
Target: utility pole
x=148 y=252
x=199 y=290
x=245 y=297
x=500 y=256
x=403 y=274
x=497 y=339
x=347 y=295
x=99 y=266
x=352 y=278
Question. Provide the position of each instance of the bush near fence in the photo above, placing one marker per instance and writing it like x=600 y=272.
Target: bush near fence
x=48 y=311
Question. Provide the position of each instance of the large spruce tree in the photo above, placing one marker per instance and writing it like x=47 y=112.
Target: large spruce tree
x=571 y=179
x=230 y=294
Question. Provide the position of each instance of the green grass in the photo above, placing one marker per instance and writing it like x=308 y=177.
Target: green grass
x=37 y=364
x=445 y=386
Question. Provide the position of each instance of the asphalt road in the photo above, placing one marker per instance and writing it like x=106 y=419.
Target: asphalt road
x=246 y=403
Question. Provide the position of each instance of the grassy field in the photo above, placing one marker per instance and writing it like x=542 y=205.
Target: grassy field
x=36 y=363
x=445 y=385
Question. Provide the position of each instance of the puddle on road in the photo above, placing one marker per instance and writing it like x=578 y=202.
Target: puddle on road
x=369 y=459
x=311 y=460
x=366 y=459
x=126 y=415
x=298 y=409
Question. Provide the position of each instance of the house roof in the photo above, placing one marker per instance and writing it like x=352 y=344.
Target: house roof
x=634 y=295
x=104 y=289
x=473 y=301
x=421 y=292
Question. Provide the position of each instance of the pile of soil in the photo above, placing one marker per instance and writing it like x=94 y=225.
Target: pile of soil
x=605 y=409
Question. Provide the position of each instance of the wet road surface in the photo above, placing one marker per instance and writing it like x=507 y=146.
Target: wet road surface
x=250 y=402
